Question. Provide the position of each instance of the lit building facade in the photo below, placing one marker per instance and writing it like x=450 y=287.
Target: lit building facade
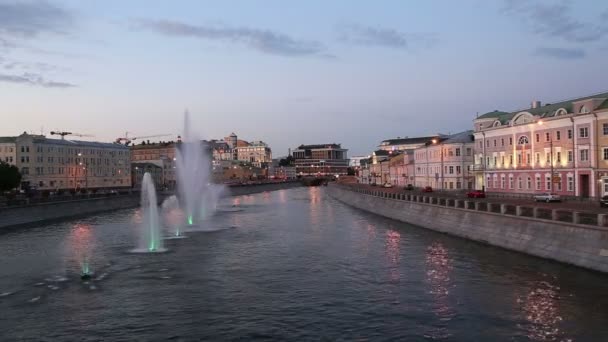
x=257 y=153
x=446 y=163
x=162 y=154
x=53 y=164
x=322 y=159
x=560 y=148
x=403 y=144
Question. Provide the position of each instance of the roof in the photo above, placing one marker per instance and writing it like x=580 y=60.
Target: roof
x=152 y=145
x=407 y=141
x=8 y=139
x=545 y=111
x=319 y=146
x=459 y=138
x=77 y=143
x=381 y=153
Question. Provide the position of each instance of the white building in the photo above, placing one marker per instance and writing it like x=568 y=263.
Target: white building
x=446 y=163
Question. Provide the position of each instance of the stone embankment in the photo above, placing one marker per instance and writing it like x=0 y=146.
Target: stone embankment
x=15 y=216
x=571 y=237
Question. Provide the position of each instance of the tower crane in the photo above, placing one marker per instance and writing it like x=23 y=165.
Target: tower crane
x=126 y=140
x=63 y=134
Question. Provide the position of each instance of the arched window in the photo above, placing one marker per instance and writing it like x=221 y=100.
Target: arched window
x=523 y=140
x=522 y=118
x=583 y=110
x=496 y=124
x=561 y=111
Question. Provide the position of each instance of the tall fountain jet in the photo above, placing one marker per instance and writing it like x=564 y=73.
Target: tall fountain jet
x=196 y=195
x=150 y=237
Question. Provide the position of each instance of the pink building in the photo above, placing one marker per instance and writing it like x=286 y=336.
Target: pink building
x=546 y=148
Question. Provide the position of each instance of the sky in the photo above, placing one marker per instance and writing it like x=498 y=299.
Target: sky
x=291 y=72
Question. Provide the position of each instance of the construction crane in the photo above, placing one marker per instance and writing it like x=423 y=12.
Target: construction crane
x=63 y=134
x=126 y=140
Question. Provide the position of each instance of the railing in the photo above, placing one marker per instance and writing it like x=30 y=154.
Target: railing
x=528 y=212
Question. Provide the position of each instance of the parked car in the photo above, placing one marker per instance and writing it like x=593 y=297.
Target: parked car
x=547 y=197
x=476 y=194
x=387 y=185
x=604 y=201
x=427 y=189
x=409 y=187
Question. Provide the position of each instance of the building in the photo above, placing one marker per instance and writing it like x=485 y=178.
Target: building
x=53 y=164
x=257 y=153
x=322 y=159
x=403 y=144
x=8 y=150
x=446 y=163
x=560 y=147
x=162 y=154
x=138 y=170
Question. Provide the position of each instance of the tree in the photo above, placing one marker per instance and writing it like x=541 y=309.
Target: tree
x=10 y=177
x=286 y=161
x=350 y=171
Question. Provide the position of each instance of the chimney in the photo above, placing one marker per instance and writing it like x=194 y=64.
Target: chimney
x=535 y=104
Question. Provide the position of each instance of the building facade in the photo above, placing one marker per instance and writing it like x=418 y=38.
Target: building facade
x=140 y=168
x=257 y=153
x=446 y=163
x=560 y=148
x=162 y=154
x=403 y=144
x=53 y=164
x=322 y=159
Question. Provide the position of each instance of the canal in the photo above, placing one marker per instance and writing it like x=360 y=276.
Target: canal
x=287 y=265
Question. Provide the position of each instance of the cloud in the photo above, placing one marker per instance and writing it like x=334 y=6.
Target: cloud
x=265 y=41
x=30 y=18
x=373 y=36
x=556 y=20
x=34 y=80
x=560 y=53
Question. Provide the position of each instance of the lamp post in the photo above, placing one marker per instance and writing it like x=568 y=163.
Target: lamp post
x=86 y=171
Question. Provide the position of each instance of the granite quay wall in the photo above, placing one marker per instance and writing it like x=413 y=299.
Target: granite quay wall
x=15 y=216
x=544 y=233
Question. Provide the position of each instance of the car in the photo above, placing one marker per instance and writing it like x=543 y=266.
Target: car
x=604 y=201
x=476 y=194
x=427 y=189
x=409 y=187
x=387 y=185
x=547 y=197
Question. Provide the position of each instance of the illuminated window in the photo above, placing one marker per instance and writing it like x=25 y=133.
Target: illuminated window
x=584 y=155
x=583 y=132
x=571 y=183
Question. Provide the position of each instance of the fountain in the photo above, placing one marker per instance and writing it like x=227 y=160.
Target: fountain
x=198 y=197
x=173 y=219
x=150 y=239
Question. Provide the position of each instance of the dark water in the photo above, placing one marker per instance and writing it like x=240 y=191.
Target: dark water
x=288 y=265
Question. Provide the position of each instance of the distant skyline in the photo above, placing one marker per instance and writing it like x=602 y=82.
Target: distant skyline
x=291 y=73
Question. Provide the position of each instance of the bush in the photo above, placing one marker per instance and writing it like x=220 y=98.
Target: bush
x=46 y=194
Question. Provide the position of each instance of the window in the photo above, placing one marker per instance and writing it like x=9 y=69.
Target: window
x=537 y=137
x=503 y=160
x=511 y=185
x=457 y=169
x=22 y=149
x=570 y=183
x=569 y=134
x=488 y=182
x=548 y=185
x=519 y=159
x=487 y=143
x=502 y=142
x=458 y=185
x=495 y=161
x=605 y=128
x=547 y=157
x=510 y=159
x=570 y=156
x=528 y=159
x=538 y=183
x=529 y=184
x=510 y=141
x=558 y=135
x=523 y=140
x=457 y=152
x=559 y=185
x=451 y=170
x=487 y=161
x=537 y=158
x=494 y=142
x=469 y=152
x=584 y=155
x=480 y=144
x=558 y=157
x=519 y=185
x=502 y=182
x=605 y=153
x=583 y=132
x=547 y=136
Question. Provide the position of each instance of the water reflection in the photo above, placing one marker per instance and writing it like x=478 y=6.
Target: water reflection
x=393 y=242
x=540 y=307
x=439 y=267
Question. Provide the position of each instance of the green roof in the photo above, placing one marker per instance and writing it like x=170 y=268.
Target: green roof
x=544 y=111
x=8 y=139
